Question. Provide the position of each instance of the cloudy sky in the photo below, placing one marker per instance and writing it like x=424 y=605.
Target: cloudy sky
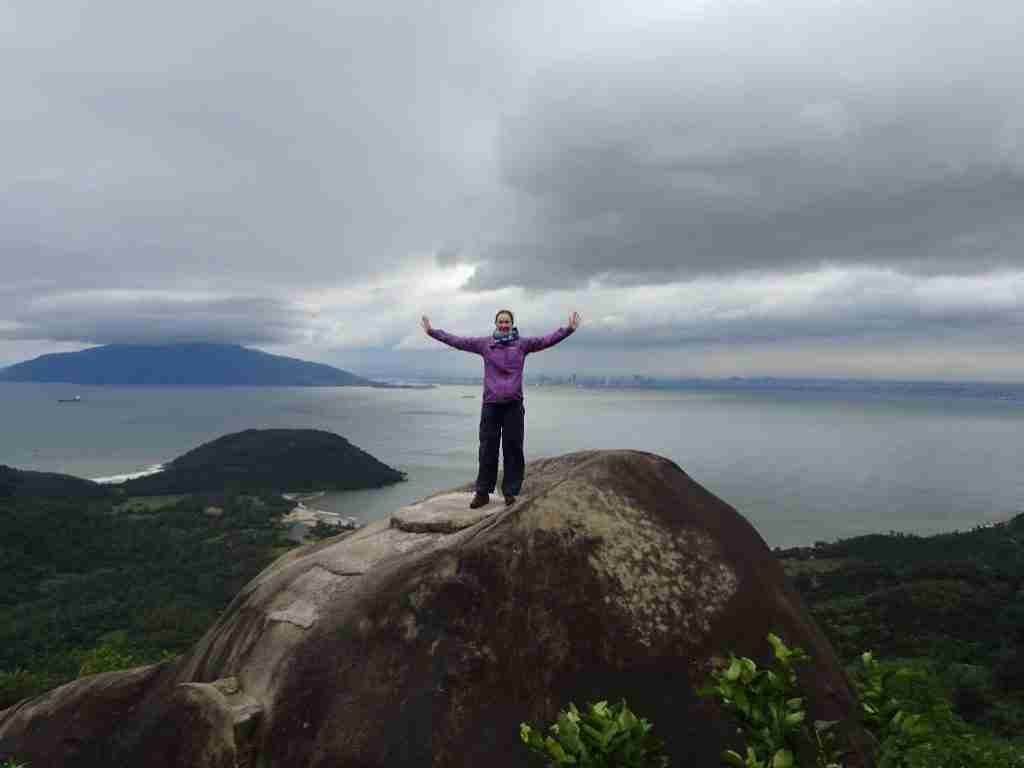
x=794 y=187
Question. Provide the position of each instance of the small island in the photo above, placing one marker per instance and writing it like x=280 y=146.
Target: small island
x=281 y=460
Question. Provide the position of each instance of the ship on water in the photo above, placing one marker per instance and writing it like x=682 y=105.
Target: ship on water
x=75 y=399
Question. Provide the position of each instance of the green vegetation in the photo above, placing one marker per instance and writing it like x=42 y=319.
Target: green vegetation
x=94 y=578
x=910 y=714
x=23 y=484
x=906 y=709
x=84 y=588
x=12 y=763
x=950 y=607
x=148 y=504
x=602 y=736
x=770 y=711
x=268 y=460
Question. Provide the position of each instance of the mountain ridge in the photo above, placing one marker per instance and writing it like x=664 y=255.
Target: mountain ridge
x=189 y=364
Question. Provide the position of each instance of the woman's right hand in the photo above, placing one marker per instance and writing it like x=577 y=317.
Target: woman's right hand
x=425 y=322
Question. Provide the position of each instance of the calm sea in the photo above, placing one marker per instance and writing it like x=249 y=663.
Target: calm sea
x=801 y=465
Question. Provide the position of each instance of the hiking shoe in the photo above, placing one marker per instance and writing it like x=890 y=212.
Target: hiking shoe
x=479 y=500
x=510 y=500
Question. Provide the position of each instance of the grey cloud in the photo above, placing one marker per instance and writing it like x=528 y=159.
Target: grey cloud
x=99 y=319
x=896 y=150
x=262 y=150
x=835 y=305
x=240 y=145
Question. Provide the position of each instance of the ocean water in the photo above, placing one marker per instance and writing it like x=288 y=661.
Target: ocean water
x=802 y=465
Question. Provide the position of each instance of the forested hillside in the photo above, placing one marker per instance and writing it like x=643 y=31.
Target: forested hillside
x=88 y=585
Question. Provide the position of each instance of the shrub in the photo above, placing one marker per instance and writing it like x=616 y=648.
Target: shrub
x=113 y=652
x=602 y=736
x=771 y=715
x=907 y=711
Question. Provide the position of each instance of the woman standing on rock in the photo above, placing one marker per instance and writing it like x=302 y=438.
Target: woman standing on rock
x=503 y=415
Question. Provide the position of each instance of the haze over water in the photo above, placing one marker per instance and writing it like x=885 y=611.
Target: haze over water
x=801 y=465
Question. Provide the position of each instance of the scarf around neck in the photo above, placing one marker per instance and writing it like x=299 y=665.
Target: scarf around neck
x=506 y=338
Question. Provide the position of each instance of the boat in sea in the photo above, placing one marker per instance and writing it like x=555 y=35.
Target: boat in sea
x=75 y=399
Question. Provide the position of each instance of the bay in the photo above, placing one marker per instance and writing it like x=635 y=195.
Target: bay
x=801 y=465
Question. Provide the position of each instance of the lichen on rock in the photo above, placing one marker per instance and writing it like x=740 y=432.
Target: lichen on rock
x=670 y=582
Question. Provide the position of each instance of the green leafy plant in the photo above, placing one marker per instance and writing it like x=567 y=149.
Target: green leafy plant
x=12 y=763
x=601 y=736
x=107 y=657
x=770 y=712
x=877 y=700
x=912 y=718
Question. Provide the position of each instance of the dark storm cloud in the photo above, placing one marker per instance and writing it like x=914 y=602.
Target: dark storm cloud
x=777 y=149
x=101 y=319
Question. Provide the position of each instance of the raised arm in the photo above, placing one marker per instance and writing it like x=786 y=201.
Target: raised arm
x=537 y=343
x=465 y=343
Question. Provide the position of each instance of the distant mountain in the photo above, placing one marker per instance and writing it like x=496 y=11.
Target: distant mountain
x=269 y=459
x=23 y=484
x=197 y=364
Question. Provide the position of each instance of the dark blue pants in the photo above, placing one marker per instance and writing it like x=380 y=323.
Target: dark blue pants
x=502 y=424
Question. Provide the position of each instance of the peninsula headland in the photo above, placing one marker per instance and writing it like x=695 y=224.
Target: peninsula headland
x=181 y=365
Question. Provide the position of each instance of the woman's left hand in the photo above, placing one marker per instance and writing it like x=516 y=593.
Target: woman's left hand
x=574 y=320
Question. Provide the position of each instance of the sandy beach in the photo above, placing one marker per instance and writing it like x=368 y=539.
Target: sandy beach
x=310 y=516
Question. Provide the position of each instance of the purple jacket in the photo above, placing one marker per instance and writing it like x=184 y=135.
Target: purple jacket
x=503 y=363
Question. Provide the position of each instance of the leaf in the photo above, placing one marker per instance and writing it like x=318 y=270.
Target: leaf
x=794 y=718
x=594 y=736
x=732 y=674
x=778 y=647
x=782 y=759
x=742 y=702
x=733 y=758
x=748 y=669
x=555 y=750
x=568 y=733
x=626 y=719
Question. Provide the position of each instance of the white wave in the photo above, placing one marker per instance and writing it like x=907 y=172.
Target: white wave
x=113 y=479
x=303 y=496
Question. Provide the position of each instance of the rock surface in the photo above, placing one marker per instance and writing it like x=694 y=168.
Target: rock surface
x=426 y=638
x=444 y=513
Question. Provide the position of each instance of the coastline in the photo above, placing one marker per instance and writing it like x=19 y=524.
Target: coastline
x=310 y=517
x=117 y=479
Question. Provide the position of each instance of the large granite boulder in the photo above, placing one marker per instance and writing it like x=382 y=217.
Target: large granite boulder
x=425 y=639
